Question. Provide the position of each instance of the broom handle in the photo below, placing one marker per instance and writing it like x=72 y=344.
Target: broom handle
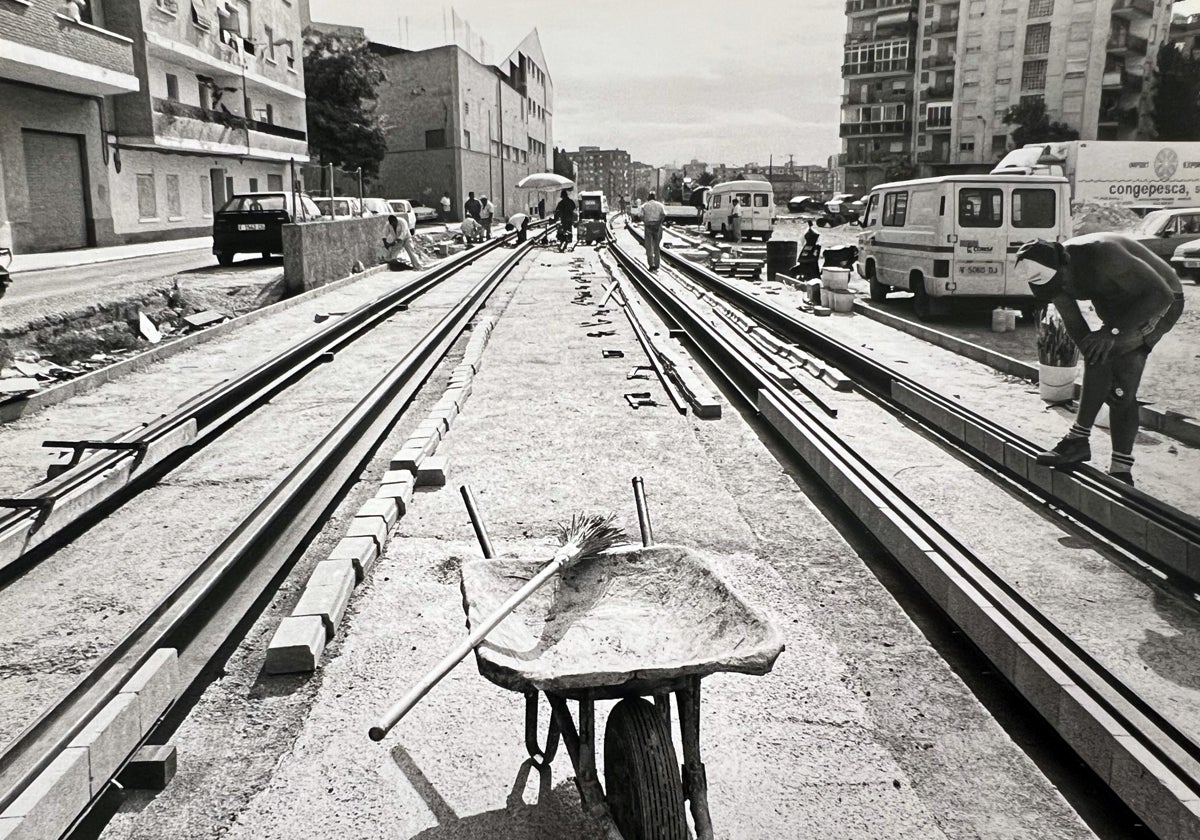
x=402 y=707
x=643 y=512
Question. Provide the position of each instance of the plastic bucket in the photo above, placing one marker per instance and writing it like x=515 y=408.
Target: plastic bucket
x=781 y=256
x=841 y=301
x=999 y=320
x=835 y=279
x=1056 y=384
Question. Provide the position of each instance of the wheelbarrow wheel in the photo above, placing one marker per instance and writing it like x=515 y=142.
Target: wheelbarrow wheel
x=645 y=789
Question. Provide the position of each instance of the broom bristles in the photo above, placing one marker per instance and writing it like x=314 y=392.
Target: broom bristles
x=588 y=535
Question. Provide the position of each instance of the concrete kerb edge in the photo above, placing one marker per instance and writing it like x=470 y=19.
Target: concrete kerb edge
x=88 y=382
x=1056 y=697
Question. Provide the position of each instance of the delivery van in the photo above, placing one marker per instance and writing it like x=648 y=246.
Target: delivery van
x=757 y=200
x=957 y=236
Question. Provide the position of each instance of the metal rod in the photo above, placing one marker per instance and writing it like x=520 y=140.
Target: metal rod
x=481 y=534
x=639 y=496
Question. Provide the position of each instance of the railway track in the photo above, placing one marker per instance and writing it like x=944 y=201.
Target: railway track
x=1144 y=757
x=176 y=639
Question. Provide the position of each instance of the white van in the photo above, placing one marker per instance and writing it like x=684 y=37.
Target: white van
x=757 y=200
x=957 y=236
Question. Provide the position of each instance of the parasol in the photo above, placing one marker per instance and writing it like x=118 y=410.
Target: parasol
x=545 y=181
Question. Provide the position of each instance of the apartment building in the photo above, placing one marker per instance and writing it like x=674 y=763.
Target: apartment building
x=927 y=82
x=642 y=180
x=221 y=110
x=606 y=170
x=458 y=125
x=57 y=64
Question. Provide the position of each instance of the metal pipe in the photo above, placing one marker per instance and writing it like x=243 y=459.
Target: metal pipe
x=639 y=497
x=481 y=534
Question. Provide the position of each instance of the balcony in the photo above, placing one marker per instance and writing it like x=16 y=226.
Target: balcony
x=934 y=126
x=938 y=92
x=1122 y=43
x=179 y=125
x=934 y=61
x=1132 y=8
x=876 y=68
x=40 y=47
x=874 y=97
x=941 y=27
x=1119 y=117
x=858 y=6
x=874 y=129
x=204 y=53
x=1121 y=79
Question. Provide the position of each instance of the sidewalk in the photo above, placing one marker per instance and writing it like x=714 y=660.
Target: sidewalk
x=23 y=263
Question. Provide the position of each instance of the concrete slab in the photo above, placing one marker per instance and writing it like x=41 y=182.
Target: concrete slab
x=151 y=768
x=433 y=471
x=156 y=685
x=110 y=737
x=48 y=806
x=386 y=509
x=328 y=602
x=362 y=552
x=296 y=646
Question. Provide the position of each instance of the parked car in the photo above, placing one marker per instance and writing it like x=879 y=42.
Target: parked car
x=338 y=207
x=377 y=206
x=402 y=207
x=252 y=223
x=1163 y=231
x=804 y=204
x=1186 y=261
x=425 y=214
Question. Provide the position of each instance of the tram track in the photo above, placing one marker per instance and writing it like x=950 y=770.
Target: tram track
x=1145 y=758
x=201 y=610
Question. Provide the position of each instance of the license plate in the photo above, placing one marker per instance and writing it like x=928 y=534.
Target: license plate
x=1191 y=263
x=978 y=269
x=252 y=227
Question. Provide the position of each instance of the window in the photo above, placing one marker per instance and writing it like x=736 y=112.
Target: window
x=980 y=207
x=938 y=116
x=147 y=200
x=172 y=87
x=1033 y=208
x=760 y=199
x=1037 y=39
x=205 y=94
x=291 y=56
x=435 y=139
x=269 y=37
x=466 y=140
x=174 y=210
x=743 y=199
x=253 y=185
x=1041 y=8
x=1033 y=75
x=466 y=109
x=895 y=209
x=966 y=144
x=205 y=196
x=275 y=182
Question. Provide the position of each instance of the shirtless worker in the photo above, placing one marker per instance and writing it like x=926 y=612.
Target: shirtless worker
x=1139 y=299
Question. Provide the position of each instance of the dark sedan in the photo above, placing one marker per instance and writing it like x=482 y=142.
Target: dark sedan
x=252 y=223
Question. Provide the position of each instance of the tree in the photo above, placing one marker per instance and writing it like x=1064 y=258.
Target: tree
x=562 y=164
x=1033 y=124
x=341 y=76
x=1177 y=94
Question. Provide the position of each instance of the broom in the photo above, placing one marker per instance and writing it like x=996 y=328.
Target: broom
x=582 y=539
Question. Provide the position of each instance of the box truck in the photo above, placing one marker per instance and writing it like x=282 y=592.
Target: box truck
x=1117 y=172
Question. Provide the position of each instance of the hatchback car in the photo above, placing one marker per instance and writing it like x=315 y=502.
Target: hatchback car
x=402 y=208
x=252 y=223
x=376 y=206
x=338 y=207
x=1186 y=261
x=1163 y=231
x=425 y=214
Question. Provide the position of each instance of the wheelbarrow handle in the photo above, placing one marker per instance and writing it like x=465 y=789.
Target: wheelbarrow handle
x=403 y=706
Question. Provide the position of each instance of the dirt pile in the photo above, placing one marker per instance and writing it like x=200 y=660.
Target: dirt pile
x=1090 y=217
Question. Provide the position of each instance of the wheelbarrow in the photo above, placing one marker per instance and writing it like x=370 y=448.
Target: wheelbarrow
x=637 y=622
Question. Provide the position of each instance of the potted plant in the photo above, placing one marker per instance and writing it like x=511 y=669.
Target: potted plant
x=1057 y=358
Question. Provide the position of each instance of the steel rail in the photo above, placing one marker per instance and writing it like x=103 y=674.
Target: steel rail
x=214 y=409
x=929 y=552
x=882 y=379
x=198 y=617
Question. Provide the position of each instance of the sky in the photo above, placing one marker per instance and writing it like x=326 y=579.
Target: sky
x=721 y=81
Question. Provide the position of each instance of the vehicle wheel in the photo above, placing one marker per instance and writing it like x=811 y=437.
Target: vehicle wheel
x=922 y=302
x=224 y=258
x=822 y=222
x=641 y=773
x=879 y=291
x=724 y=232
x=266 y=255
x=766 y=237
x=1031 y=314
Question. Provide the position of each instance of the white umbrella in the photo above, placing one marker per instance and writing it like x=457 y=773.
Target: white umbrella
x=545 y=181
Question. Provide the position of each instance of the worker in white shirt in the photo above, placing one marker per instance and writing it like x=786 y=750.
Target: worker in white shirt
x=653 y=214
x=486 y=211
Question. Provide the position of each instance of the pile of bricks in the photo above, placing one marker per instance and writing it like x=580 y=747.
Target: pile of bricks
x=301 y=638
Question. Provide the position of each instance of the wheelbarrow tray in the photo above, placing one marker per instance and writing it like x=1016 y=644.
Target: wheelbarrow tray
x=633 y=621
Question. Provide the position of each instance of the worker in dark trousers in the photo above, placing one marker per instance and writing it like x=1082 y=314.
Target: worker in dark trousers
x=1138 y=297
x=654 y=213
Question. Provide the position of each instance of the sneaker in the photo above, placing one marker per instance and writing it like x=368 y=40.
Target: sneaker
x=1123 y=476
x=1067 y=451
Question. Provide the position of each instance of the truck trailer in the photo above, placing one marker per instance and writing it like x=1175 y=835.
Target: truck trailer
x=1116 y=172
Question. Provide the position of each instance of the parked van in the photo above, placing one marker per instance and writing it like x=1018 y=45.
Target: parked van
x=957 y=236
x=757 y=200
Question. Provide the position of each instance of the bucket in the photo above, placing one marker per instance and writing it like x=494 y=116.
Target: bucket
x=835 y=279
x=1056 y=384
x=826 y=298
x=999 y=320
x=841 y=301
x=1011 y=319
x=781 y=256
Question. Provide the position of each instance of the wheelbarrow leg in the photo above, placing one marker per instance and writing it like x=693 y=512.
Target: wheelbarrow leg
x=695 y=782
x=662 y=704
x=581 y=747
x=539 y=755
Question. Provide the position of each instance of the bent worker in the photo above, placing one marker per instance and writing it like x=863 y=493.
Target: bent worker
x=472 y=230
x=1138 y=297
x=398 y=236
x=520 y=223
x=653 y=214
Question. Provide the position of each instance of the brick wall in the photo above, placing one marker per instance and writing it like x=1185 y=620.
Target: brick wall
x=317 y=253
x=38 y=25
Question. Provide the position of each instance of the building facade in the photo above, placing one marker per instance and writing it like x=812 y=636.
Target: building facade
x=57 y=65
x=927 y=83
x=457 y=125
x=221 y=110
x=606 y=170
